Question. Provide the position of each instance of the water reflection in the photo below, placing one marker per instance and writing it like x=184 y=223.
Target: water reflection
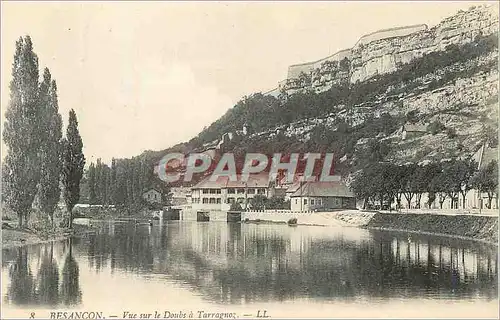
x=43 y=289
x=22 y=286
x=70 y=286
x=48 y=279
x=243 y=263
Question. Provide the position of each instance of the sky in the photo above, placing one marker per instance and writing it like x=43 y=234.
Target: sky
x=145 y=76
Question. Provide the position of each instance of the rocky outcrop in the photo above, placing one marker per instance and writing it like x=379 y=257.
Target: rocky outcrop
x=433 y=80
x=387 y=50
x=387 y=54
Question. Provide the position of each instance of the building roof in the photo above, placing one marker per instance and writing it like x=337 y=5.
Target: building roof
x=323 y=189
x=151 y=189
x=294 y=187
x=282 y=179
x=260 y=180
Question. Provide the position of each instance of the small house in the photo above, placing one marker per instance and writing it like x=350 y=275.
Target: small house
x=322 y=196
x=152 y=196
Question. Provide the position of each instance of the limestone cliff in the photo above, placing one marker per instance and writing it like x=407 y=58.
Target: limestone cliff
x=385 y=51
x=427 y=94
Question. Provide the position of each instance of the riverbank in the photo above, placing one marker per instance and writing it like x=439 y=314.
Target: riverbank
x=112 y=213
x=14 y=237
x=478 y=228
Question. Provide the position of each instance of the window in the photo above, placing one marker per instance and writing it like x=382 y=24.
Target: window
x=318 y=201
x=241 y=191
x=213 y=191
x=218 y=191
x=230 y=190
x=212 y=200
x=262 y=191
x=218 y=200
x=312 y=201
x=296 y=201
x=206 y=191
x=251 y=191
x=305 y=201
x=205 y=200
x=230 y=200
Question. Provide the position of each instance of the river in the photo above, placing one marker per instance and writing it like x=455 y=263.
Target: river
x=244 y=267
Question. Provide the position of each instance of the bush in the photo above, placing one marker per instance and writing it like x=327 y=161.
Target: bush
x=40 y=223
x=7 y=213
x=292 y=221
x=451 y=133
x=436 y=127
x=235 y=206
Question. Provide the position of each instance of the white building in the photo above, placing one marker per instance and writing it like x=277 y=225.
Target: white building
x=180 y=196
x=322 y=196
x=220 y=194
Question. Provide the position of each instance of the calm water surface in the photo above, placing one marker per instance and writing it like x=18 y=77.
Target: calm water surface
x=238 y=264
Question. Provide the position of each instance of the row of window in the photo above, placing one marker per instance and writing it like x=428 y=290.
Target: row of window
x=235 y=190
x=211 y=191
x=218 y=200
x=313 y=202
x=211 y=200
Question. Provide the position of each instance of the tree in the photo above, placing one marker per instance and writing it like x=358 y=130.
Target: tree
x=364 y=184
x=410 y=180
x=91 y=182
x=400 y=184
x=22 y=132
x=345 y=64
x=235 y=206
x=259 y=202
x=422 y=179
x=276 y=202
x=467 y=170
x=486 y=180
x=74 y=161
x=51 y=147
x=112 y=182
x=457 y=177
x=434 y=183
x=304 y=79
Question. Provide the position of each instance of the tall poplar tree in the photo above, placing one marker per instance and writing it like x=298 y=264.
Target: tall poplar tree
x=91 y=184
x=51 y=146
x=22 y=132
x=73 y=164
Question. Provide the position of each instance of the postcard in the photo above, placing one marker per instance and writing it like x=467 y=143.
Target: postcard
x=249 y=160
